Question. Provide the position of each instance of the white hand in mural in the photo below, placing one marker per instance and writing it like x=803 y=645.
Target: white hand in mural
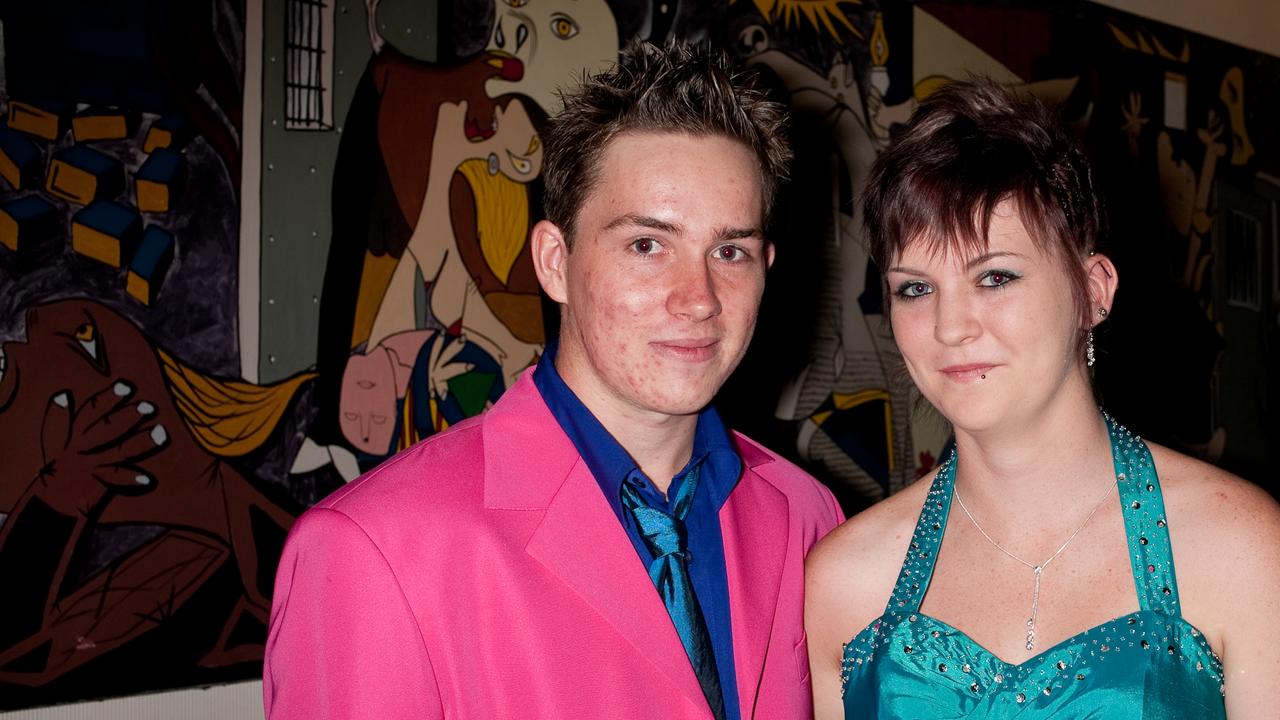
x=376 y=40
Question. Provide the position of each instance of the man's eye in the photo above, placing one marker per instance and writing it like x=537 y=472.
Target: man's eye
x=730 y=252
x=645 y=246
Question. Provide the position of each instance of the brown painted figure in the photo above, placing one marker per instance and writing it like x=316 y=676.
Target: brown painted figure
x=126 y=528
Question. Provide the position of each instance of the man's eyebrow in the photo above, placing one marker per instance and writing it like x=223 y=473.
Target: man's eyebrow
x=644 y=221
x=737 y=234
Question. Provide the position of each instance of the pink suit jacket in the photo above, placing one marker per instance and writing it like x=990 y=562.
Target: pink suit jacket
x=482 y=574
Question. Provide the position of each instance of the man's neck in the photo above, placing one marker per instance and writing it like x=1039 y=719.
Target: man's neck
x=660 y=444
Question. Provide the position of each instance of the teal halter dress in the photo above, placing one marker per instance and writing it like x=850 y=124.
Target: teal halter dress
x=1148 y=665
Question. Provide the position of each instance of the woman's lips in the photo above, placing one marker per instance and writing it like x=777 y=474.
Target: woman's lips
x=968 y=372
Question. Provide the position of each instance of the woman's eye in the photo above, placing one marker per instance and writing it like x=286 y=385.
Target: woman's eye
x=914 y=289
x=997 y=278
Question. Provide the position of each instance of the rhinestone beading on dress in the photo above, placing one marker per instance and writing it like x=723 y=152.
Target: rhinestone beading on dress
x=943 y=655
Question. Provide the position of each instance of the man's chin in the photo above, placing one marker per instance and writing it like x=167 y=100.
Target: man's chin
x=692 y=402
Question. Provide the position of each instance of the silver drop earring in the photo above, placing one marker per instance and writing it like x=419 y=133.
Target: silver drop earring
x=1088 y=340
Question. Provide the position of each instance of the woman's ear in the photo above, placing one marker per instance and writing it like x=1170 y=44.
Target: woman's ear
x=1101 y=282
x=550 y=253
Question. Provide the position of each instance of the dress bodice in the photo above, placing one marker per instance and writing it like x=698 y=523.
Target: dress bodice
x=1150 y=664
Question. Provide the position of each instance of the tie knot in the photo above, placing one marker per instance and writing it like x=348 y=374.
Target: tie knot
x=663 y=534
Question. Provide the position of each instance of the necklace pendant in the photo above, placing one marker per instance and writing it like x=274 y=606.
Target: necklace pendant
x=1031 y=634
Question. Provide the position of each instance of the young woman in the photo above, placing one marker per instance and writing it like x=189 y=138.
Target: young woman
x=1032 y=575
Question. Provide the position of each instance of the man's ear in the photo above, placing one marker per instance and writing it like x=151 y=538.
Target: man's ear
x=1101 y=283
x=550 y=253
x=769 y=252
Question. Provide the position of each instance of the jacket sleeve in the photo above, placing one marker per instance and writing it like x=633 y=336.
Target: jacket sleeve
x=837 y=514
x=343 y=642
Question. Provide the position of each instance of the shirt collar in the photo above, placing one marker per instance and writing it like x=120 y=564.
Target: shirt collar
x=610 y=463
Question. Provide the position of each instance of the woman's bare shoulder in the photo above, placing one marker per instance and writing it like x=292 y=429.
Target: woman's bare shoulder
x=850 y=573
x=1225 y=535
x=1206 y=498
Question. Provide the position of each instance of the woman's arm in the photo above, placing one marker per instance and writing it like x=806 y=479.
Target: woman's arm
x=1226 y=544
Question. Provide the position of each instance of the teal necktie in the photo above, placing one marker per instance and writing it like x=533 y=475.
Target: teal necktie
x=667 y=541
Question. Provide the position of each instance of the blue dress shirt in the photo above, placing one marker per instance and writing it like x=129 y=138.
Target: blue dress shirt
x=611 y=466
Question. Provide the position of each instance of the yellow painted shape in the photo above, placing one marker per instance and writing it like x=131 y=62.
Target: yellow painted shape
x=1144 y=46
x=71 y=183
x=879 y=43
x=157 y=138
x=502 y=216
x=374 y=280
x=844 y=401
x=228 y=418
x=819 y=418
x=33 y=120
x=1122 y=38
x=139 y=288
x=152 y=196
x=94 y=244
x=9 y=231
x=99 y=127
x=10 y=172
x=819 y=13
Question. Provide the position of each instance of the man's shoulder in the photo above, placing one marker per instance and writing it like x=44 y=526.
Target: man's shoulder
x=804 y=493
x=438 y=472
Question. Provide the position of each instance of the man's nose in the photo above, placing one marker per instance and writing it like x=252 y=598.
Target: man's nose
x=693 y=292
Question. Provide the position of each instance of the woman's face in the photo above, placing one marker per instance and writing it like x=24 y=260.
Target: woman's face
x=989 y=338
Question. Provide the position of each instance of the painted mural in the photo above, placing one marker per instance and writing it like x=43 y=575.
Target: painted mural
x=164 y=417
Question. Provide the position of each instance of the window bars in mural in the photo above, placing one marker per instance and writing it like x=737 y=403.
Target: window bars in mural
x=308 y=65
x=1244 y=255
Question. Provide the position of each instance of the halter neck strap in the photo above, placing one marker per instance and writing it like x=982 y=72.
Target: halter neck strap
x=922 y=553
x=1145 y=522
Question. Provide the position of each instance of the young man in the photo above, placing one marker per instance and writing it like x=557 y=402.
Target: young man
x=597 y=545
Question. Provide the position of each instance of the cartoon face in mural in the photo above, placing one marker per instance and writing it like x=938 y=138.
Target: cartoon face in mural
x=556 y=40
x=369 y=401
x=104 y=431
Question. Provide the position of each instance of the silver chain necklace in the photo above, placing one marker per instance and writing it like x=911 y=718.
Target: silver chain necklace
x=1039 y=569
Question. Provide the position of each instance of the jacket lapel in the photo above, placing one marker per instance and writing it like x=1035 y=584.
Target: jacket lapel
x=755 y=524
x=581 y=542
x=530 y=464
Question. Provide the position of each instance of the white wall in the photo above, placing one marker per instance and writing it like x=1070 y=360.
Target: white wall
x=239 y=701
x=1254 y=24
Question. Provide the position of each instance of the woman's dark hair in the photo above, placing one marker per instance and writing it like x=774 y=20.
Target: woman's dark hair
x=970 y=146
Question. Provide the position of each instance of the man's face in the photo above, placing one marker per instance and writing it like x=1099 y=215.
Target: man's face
x=663 y=282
